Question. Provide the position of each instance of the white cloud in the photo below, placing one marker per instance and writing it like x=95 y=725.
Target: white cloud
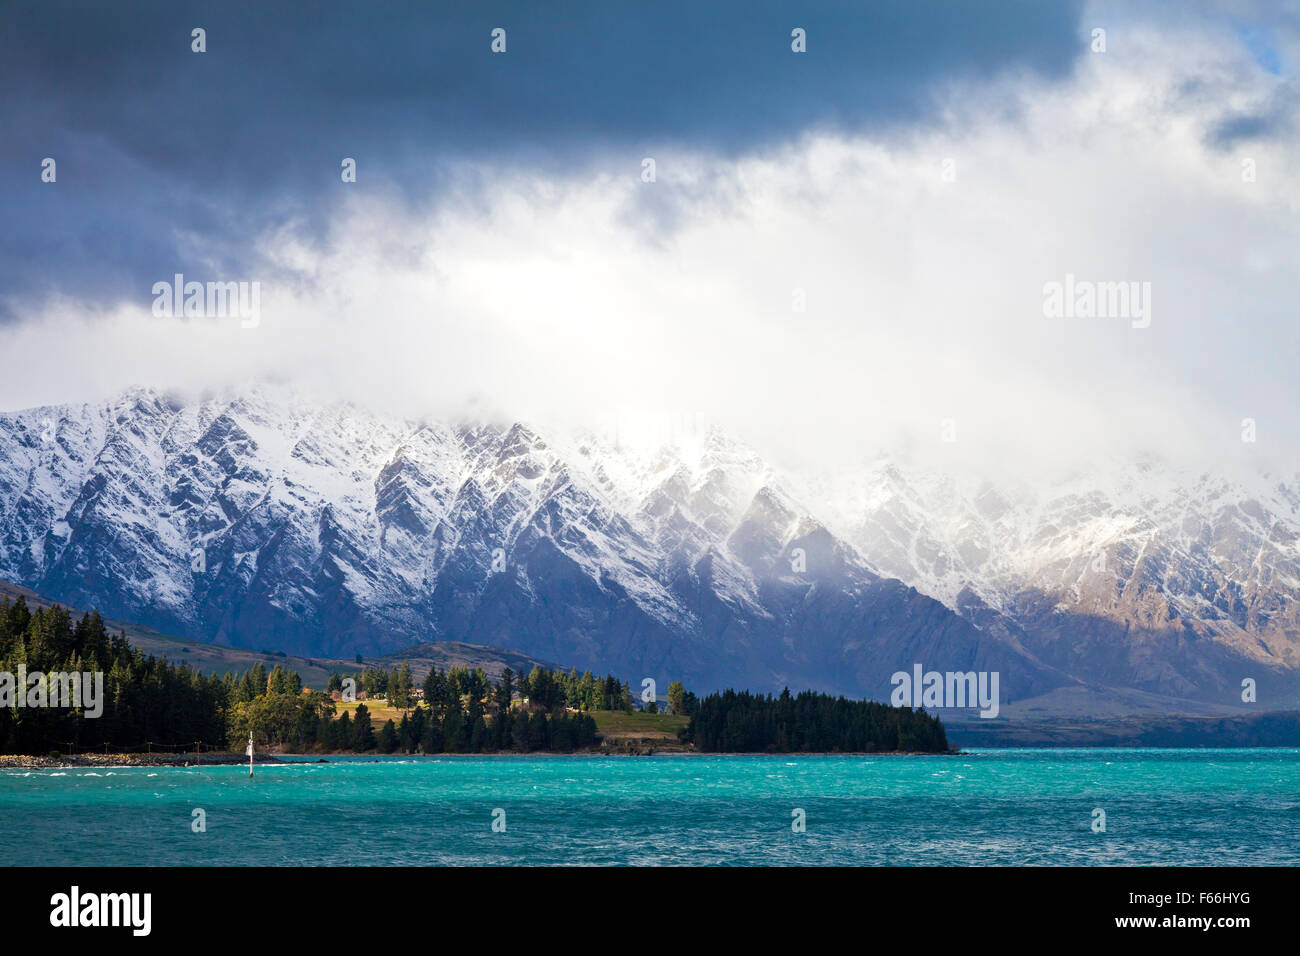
x=548 y=299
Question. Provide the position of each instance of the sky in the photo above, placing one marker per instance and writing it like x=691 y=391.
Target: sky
x=843 y=251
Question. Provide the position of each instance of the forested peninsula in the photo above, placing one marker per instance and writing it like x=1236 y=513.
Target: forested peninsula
x=151 y=706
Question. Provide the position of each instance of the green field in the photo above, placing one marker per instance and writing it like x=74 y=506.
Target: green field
x=380 y=711
x=615 y=725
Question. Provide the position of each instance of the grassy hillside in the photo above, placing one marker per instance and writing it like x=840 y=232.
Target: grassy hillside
x=615 y=725
x=315 y=671
x=380 y=711
x=448 y=654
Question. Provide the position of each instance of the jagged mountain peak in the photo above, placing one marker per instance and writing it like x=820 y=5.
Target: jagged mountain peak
x=325 y=527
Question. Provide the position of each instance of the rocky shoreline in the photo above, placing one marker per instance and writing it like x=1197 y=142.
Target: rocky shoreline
x=32 y=762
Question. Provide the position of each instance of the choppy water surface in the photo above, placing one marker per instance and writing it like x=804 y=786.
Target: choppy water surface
x=1189 y=807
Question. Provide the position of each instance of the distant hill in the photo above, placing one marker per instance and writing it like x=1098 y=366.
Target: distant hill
x=315 y=671
x=1270 y=729
x=446 y=654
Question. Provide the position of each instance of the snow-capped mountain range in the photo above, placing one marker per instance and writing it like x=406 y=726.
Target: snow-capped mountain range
x=269 y=521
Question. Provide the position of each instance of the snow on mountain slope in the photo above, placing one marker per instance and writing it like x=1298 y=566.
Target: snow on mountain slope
x=264 y=519
x=1153 y=577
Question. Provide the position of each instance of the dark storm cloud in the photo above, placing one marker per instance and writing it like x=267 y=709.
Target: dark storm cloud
x=1276 y=115
x=1228 y=133
x=170 y=160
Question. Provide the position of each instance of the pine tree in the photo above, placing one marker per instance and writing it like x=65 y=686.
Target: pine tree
x=363 y=736
x=387 y=737
x=505 y=691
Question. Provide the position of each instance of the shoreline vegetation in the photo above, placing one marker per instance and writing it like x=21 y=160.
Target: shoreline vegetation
x=159 y=714
x=109 y=761
x=228 y=759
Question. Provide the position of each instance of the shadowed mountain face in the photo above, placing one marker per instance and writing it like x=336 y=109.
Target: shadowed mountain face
x=270 y=522
x=267 y=522
x=1177 y=583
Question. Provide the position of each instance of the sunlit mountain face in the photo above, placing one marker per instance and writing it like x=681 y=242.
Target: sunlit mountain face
x=268 y=520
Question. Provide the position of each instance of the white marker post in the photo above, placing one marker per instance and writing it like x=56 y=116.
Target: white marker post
x=250 y=753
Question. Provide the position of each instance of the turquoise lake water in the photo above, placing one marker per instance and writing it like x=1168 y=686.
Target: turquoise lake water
x=1001 y=807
